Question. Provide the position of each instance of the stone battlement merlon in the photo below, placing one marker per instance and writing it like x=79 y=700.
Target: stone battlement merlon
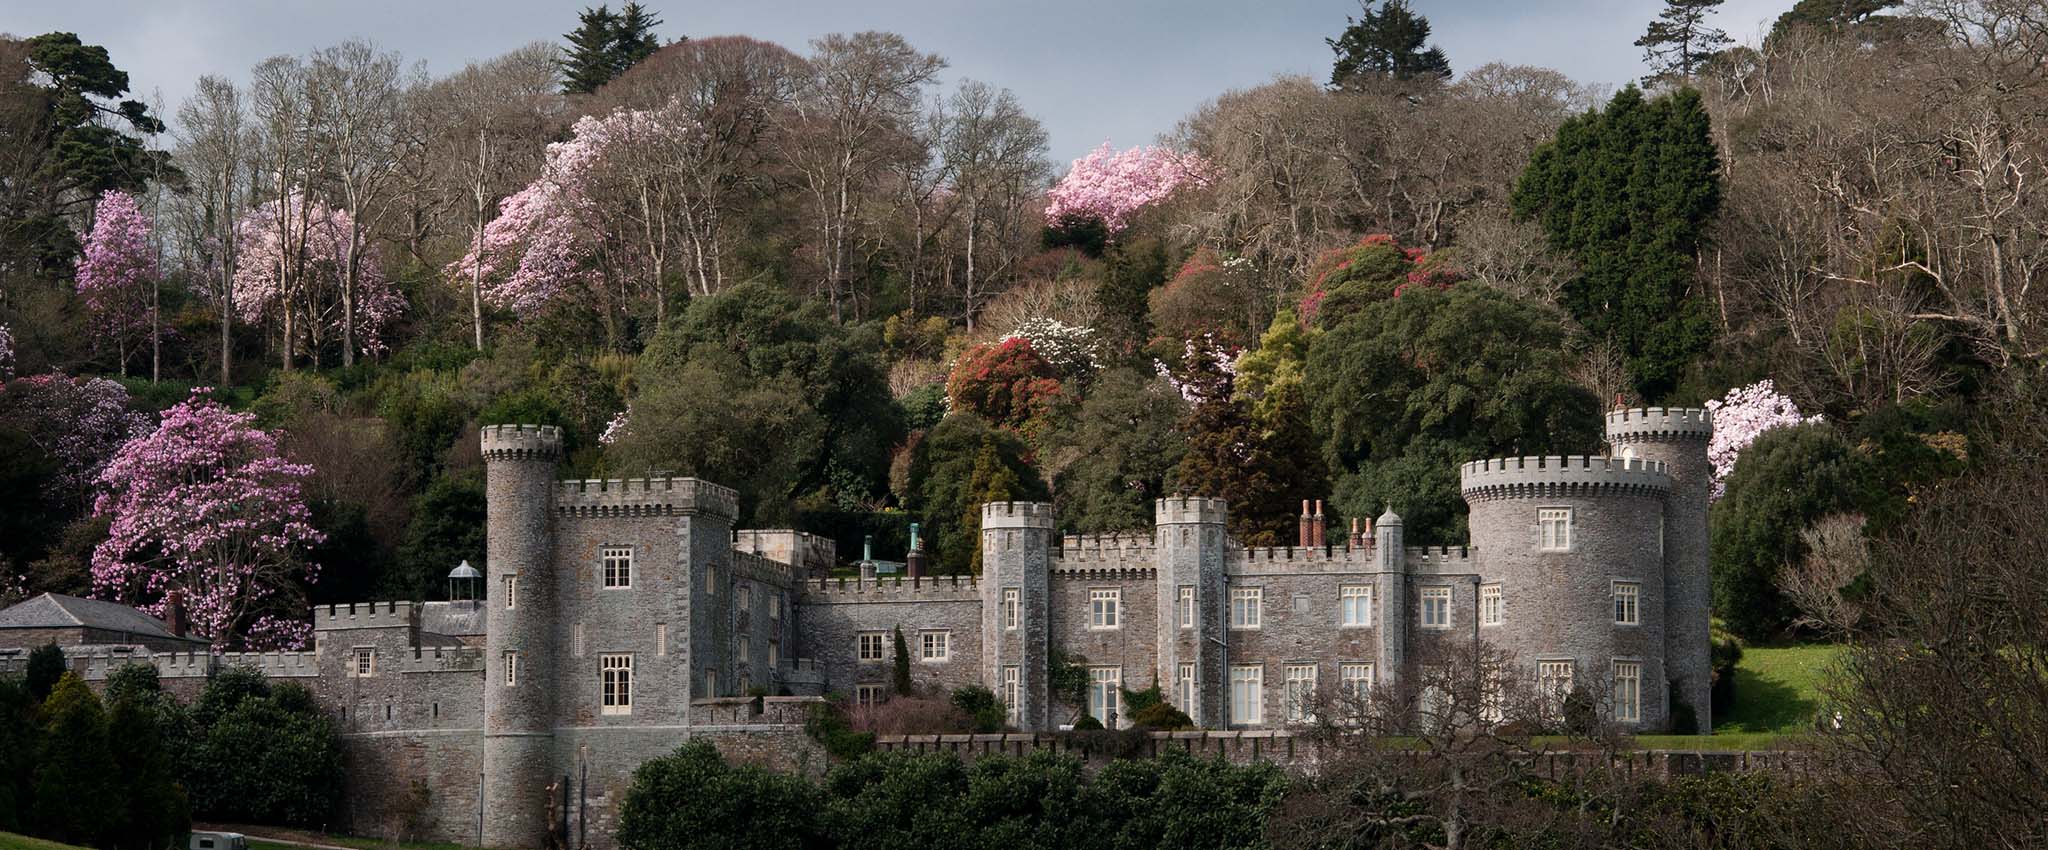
x=897 y=589
x=1254 y=556
x=1438 y=560
x=366 y=615
x=1190 y=509
x=762 y=569
x=628 y=497
x=1104 y=570
x=1514 y=477
x=1016 y=515
x=521 y=442
x=1659 y=423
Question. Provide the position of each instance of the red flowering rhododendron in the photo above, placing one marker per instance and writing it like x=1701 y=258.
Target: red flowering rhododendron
x=1374 y=268
x=1113 y=186
x=118 y=266
x=1005 y=382
x=207 y=505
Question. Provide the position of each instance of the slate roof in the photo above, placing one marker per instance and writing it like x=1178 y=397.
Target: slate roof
x=57 y=611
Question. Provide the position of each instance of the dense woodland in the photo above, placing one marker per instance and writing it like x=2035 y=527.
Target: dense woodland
x=248 y=338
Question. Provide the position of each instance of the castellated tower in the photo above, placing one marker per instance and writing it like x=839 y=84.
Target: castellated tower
x=519 y=708
x=1190 y=548
x=1677 y=438
x=1568 y=541
x=1016 y=563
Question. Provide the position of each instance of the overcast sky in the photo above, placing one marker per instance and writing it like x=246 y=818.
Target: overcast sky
x=1092 y=70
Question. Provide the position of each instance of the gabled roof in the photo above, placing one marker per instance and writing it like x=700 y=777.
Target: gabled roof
x=57 y=611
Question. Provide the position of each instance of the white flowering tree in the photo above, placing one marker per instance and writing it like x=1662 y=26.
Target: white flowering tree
x=1741 y=416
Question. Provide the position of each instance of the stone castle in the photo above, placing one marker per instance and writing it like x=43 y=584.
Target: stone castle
x=623 y=616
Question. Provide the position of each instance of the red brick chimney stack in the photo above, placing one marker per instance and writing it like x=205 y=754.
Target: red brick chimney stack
x=1301 y=527
x=174 y=612
x=1316 y=526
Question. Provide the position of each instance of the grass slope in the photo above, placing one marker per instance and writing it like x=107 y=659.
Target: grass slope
x=1777 y=688
x=10 y=841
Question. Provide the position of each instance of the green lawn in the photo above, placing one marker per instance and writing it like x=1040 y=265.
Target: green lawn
x=1777 y=689
x=10 y=841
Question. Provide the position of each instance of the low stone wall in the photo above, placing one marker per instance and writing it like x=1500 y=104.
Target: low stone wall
x=1293 y=752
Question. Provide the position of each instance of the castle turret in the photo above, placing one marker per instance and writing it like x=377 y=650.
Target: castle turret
x=1390 y=590
x=1016 y=559
x=1194 y=628
x=1570 y=543
x=519 y=708
x=1677 y=438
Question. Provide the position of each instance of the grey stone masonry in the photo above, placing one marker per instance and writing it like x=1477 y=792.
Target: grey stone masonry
x=622 y=617
x=1677 y=438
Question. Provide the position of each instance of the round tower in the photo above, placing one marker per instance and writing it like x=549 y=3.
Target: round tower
x=1390 y=590
x=1677 y=437
x=1189 y=549
x=519 y=709
x=1572 y=543
x=1016 y=560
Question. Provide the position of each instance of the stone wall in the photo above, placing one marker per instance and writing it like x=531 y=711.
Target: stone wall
x=833 y=613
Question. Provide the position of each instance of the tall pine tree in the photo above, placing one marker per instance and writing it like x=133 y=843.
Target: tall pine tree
x=1628 y=192
x=633 y=39
x=1679 y=41
x=589 y=63
x=1386 y=42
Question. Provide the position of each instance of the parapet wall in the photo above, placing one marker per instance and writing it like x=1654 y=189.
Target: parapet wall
x=1553 y=475
x=1440 y=560
x=1190 y=509
x=1016 y=515
x=629 y=497
x=896 y=589
x=1659 y=423
x=1280 y=560
x=366 y=615
x=522 y=442
x=763 y=569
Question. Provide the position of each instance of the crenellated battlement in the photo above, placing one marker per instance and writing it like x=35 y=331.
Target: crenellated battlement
x=630 y=497
x=1016 y=515
x=366 y=615
x=437 y=659
x=1191 y=509
x=1554 y=475
x=273 y=664
x=1287 y=559
x=762 y=569
x=522 y=442
x=898 y=589
x=1439 y=559
x=1659 y=423
x=1089 y=551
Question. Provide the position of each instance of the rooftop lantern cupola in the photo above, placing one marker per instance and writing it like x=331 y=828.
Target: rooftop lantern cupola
x=463 y=582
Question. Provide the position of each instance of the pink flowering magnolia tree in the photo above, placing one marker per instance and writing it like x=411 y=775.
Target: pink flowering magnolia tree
x=611 y=214
x=1114 y=185
x=78 y=422
x=1741 y=416
x=292 y=268
x=207 y=505
x=117 y=272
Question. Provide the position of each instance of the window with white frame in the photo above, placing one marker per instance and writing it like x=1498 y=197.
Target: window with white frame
x=1490 y=605
x=1628 y=691
x=365 y=662
x=746 y=649
x=1184 y=687
x=1247 y=697
x=511 y=591
x=1296 y=691
x=1554 y=529
x=616 y=678
x=1105 y=697
x=1553 y=684
x=710 y=581
x=618 y=566
x=1354 y=605
x=1626 y=596
x=934 y=646
x=1187 y=606
x=743 y=596
x=1245 y=604
x=1013 y=694
x=871 y=646
x=660 y=638
x=775 y=606
x=869 y=695
x=746 y=683
x=1013 y=605
x=1102 y=607
x=511 y=659
x=774 y=653
x=1436 y=607
x=576 y=640
x=1355 y=679
x=710 y=682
